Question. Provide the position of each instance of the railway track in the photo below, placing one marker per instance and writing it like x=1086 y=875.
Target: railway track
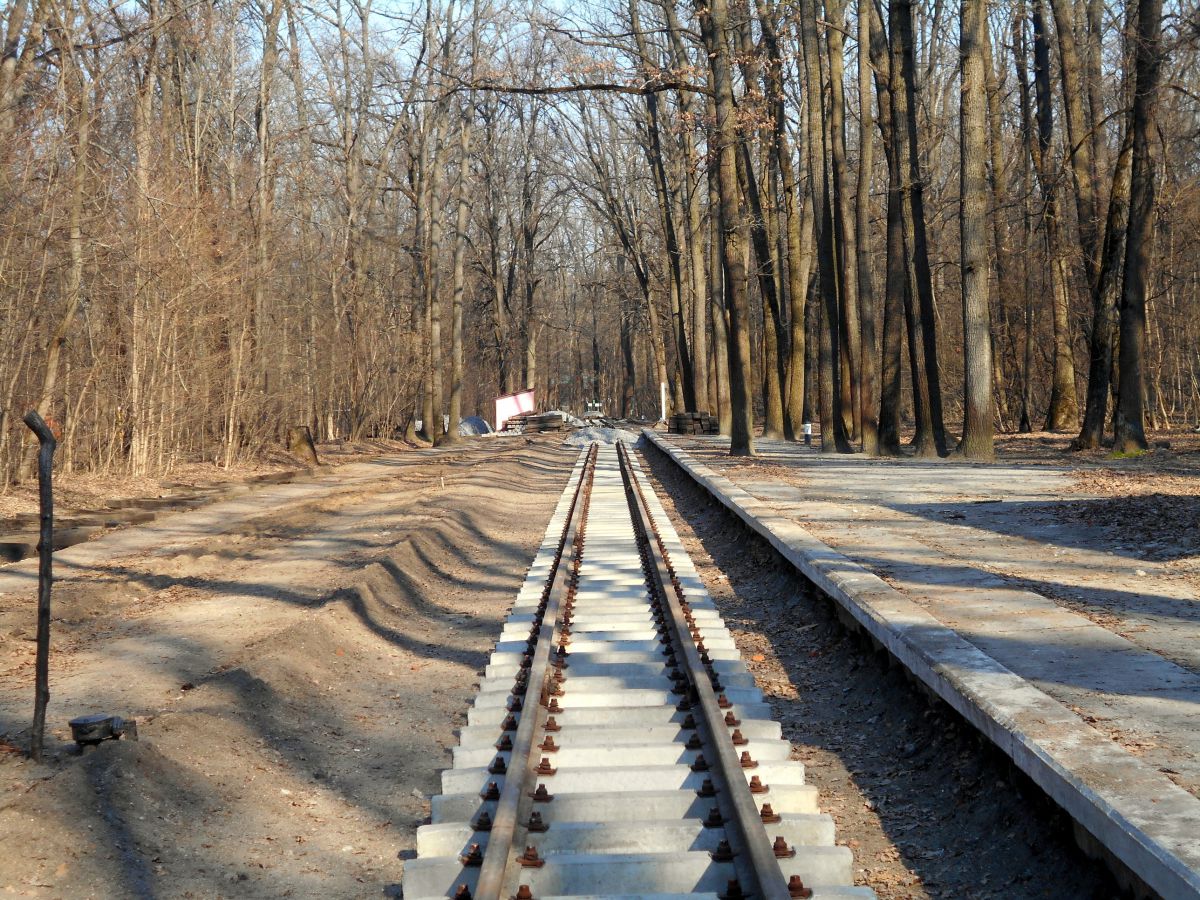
x=618 y=746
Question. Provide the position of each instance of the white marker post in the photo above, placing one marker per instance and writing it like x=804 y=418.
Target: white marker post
x=808 y=434
x=662 y=392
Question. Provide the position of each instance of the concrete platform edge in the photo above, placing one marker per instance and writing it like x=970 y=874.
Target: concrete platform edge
x=1141 y=817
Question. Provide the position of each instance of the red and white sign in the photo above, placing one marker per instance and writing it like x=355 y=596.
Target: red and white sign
x=512 y=405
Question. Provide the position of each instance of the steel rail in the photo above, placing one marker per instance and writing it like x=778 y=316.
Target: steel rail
x=754 y=856
x=498 y=854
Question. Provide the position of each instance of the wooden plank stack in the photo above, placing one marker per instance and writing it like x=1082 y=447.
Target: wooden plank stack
x=536 y=423
x=693 y=423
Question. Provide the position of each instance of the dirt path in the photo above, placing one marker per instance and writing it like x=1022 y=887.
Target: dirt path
x=296 y=676
x=930 y=810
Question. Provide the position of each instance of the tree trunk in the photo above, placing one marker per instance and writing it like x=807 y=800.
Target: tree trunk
x=1063 y=412
x=1079 y=138
x=463 y=209
x=845 y=239
x=1129 y=427
x=829 y=393
x=896 y=272
x=1106 y=298
x=716 y=292
x=868 y=410
x=714 y=22
x=927 y=391
x=978 y=426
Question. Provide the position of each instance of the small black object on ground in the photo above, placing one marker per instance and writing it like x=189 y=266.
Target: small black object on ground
x=89 y=731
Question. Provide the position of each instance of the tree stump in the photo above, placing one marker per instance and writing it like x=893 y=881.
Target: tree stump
x=300 y=444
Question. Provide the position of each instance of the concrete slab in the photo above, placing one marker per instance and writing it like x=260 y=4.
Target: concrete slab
x=957 y=630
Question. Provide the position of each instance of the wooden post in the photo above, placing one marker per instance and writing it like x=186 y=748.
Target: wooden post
x=47 y=442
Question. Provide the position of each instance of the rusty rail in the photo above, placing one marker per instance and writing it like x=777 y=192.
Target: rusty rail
x=754 y=857
x=532 y=690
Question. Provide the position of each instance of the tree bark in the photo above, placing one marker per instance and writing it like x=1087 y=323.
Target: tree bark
x=1129 y=426
x=978 y=426
x=1106 y=299
x=868 y=409
x=845 y=237
x=1063 y=412
x=1083 y=170
x=463 y=209
x=829 y=389
x=714 y=23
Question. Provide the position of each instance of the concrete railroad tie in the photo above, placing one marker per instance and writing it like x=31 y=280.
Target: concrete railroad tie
x=630 y=814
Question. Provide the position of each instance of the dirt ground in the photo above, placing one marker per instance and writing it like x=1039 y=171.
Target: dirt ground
x=296 y=680
x=85 y=491
x=929 y=809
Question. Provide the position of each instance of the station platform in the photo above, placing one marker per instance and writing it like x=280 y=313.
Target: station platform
x=1078 y=656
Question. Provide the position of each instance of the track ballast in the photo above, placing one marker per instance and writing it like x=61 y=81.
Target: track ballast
x=618 y=746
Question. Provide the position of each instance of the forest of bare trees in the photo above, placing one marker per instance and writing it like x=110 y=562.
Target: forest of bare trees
x=905 y=220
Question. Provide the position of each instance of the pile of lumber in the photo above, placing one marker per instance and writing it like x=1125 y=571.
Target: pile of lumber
x=693 y=423
x=536 y=423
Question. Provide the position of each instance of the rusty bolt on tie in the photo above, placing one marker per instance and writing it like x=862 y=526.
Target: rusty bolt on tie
x=552 y=724
x=731 y=720
x=715 y=819
x=756 y=785
x=483 y=822
x=504 y=744
x=781 y=848
x=462 y=893
x=535 y=823
x=797 y=890
x=473 y=856
x=491 y=791
x=498 y=766
x=523 y=893
x=733 y=891
x=723 y=702
x=723 y=853
x=530 y=859
x=548 y=745
x=747 y=761
x=769 y=816
x=515 y=704
x=509 y=723
x=739 y=739
x=694 y=742
x=541 y=795
x=553 y=706
x=544 y=767
x=700 y=764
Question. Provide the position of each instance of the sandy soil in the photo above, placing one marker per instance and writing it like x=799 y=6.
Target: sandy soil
x=929 y=809
x=76 y=492
x=296 y=678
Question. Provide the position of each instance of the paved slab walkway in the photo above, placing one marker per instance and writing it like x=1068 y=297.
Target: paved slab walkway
x=1108 y=642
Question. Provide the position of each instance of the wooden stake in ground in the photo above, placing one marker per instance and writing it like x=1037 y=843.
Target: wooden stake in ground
x=47 y=442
